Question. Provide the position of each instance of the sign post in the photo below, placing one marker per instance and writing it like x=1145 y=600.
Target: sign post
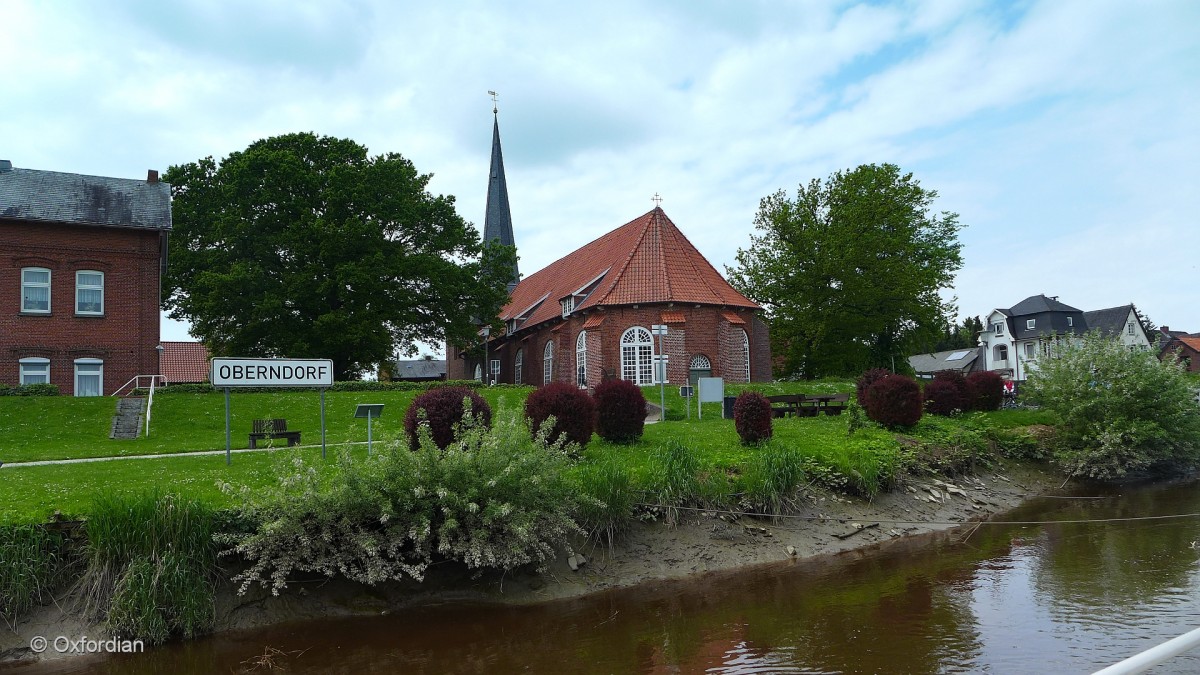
x=369 y=411
x=712 y=390
x=227 y=373
x=686 y=392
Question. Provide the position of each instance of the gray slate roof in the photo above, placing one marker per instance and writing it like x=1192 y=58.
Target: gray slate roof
x=55 y=197
x=932 y=363
x=419 y=369
x=1109 y=321
x=1036 y=304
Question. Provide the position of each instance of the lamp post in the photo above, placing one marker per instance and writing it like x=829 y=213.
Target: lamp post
x=484 y=368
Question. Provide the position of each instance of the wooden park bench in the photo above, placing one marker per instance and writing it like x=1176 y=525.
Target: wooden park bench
x=835 y=404
x=783 y=405
x=276 y=428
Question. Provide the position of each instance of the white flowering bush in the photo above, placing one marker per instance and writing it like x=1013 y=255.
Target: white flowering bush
x=495 y=498
x=1120 y=410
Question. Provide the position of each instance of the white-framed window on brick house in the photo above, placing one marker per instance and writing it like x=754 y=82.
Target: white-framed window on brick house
x=637 y=354
x=495 y=370
x=746 y=353
x=581 y=360
x=89 y=293
x=89 y=377
x=479 y=371
x=548 y=363
x=518 y=365
x=35 y=290
x=35 y=371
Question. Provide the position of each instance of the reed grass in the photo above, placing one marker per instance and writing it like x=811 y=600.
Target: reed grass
x=771 y=478
x=610 y=511
x=33 y=563
x=151 y=565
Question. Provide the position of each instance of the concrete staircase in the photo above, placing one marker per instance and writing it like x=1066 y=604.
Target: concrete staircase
x=128 y=420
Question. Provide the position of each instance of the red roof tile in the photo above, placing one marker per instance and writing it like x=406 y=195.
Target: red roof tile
x=733 y=318
x=673 y=317
x=1193 y=342
x=184 y=362
x=647 y=260
x=593 y=321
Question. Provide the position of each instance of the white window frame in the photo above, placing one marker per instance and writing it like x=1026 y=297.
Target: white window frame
x=1070 y=322
x=548 y=362
x=637 y=356
x=1030 y=350
x=568 y=306
x=1030 y=324
x=746 y=349
x=495 y=370
x=998 y=328
x=79 y=286
x=34 y=366
x=1129 y=328
x=581 y=359
x=100 y=373
x=518 y=365
x=479 y=371
x=1000 y=353
x=37 y=284
x=700 y=362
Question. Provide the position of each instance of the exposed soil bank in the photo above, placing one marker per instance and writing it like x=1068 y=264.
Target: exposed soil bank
x=701 y=542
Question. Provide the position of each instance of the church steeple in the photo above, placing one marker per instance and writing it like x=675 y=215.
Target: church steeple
x=497 y=222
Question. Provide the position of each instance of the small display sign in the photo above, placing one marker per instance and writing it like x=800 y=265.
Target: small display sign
x=686 y=391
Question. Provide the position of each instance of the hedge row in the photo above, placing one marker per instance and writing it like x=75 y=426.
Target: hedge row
x=29 y=390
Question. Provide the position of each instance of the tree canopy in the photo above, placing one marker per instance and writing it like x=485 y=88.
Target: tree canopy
x=849 y=271
x=303 y=246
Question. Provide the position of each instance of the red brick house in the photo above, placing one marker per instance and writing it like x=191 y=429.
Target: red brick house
x=81 y=259
x=1188 y=347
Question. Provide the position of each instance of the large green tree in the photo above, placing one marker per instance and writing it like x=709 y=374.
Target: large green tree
x=305 y=246
x=849 y=271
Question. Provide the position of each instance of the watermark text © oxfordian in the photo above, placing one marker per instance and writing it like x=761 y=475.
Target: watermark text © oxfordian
x=64 y=644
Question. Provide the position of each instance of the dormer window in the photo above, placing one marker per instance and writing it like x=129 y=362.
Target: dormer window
x=1030 y=324
x=998 y=328
x=512 y=326
x=568 y=306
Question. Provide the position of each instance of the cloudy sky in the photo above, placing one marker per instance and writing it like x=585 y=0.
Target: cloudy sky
x=1065 y=134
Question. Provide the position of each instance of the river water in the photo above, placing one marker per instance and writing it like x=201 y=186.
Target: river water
x=1048 y=598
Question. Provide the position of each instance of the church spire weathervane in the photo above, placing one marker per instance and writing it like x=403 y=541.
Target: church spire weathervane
x=657 y=200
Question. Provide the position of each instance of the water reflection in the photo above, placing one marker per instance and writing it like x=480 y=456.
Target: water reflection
x=1064 y=597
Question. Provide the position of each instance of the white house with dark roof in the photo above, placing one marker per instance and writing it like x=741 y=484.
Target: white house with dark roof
x=1014 y=339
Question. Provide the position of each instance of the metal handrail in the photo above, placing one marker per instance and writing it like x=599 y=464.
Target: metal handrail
x=1140 y=663
x=136 y=381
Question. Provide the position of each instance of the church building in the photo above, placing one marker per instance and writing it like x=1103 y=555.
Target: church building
x=589 y=315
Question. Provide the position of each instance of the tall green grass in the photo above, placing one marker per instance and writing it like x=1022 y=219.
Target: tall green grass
x=771 y=478
x=610 y=511
x=33 y=563
x=151 y=565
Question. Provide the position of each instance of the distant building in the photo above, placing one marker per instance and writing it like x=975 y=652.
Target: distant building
x=419 y=370
x=963 y=360
x=81 y=259
x=588 y=315
x=185 y=363
x=1013 y=339
x=1188 y=348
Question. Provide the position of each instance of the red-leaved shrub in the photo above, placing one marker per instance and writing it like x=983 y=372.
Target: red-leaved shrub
x=863 y=385
x=752 y=417
x=620 y=411
x=894 y=401
x=947 y=393
x=987 y=390
x=573 y=410
x=443 y=410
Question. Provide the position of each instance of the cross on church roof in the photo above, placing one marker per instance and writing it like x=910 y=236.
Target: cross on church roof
x=656 y=199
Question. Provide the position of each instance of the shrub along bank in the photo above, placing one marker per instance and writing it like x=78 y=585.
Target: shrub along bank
x=498 y=498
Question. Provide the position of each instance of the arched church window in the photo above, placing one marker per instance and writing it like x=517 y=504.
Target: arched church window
x=700 y=362
x=637 y=353
x=581 y=360
x=746 y=352
x=548 y=363
x=479 y=372
x=518 y=366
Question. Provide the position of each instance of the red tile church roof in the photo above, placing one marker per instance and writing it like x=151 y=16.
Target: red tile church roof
x=647 y=260
x=184 y=362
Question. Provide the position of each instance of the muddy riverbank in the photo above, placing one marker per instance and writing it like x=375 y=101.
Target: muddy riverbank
x=701 y=542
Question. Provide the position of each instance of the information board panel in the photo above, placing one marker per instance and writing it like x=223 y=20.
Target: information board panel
x=229 y=372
